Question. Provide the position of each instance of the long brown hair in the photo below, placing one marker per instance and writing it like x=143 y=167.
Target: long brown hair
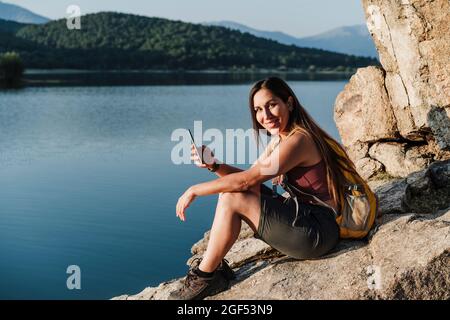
x=301 y=121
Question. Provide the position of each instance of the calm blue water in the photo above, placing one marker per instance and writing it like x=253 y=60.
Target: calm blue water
x=87 y=179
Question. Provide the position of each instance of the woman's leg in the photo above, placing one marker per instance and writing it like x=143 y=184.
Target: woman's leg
x=232 y=207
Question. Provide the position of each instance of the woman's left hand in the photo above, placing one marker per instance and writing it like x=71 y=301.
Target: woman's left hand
x=183 y=203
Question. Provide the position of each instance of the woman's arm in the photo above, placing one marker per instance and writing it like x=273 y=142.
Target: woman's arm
x=284 y=158
x=225 y=169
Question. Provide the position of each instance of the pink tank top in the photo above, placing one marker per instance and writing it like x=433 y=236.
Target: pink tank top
x=312 y=180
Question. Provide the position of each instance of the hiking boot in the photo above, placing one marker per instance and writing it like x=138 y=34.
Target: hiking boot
x=226 y=270
x=223 y=267
x=196 y=287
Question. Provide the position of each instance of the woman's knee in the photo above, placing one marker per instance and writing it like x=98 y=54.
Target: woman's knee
x=229 y=198
x=246 y=205
x=238 y=198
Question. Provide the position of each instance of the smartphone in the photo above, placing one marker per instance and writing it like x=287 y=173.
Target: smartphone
x=196 y=149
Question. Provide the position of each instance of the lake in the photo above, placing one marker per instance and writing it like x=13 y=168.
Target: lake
x=87 y=179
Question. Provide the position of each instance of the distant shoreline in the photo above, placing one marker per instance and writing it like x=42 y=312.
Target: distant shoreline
x=77 y=77
x=205 y=71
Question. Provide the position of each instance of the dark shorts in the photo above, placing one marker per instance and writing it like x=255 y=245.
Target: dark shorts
x=313 y=235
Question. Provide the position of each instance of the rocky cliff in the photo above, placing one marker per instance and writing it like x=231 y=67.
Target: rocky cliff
x=407 y=257
x=394 y=122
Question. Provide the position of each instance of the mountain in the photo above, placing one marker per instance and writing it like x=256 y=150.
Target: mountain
x=8 y=26
x=110 y=40
x=354 y=40
x=19 y=14
x=350 y=40
x=8 y=39
x=273 y=35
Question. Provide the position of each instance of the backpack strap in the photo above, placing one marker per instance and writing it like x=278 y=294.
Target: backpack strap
x=289 y=187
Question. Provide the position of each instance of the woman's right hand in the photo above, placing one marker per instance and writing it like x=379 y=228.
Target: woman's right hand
x=277 y=180
x=207 y=154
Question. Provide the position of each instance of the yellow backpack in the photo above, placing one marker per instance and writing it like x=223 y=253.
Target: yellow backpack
x=359 y=204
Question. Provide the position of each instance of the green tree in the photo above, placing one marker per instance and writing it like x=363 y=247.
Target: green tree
x=122 y=41
x=11 y=69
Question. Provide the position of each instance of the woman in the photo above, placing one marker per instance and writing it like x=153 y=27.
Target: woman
x=303 y=157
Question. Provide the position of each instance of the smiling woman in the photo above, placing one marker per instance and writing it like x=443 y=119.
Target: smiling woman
x=273 y=114
x=299 y=153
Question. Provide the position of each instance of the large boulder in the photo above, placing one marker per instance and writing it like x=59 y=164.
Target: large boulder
x=398 y=115
x=397 y=160
x=413 y=41
x=363 y=112
x=424 y=191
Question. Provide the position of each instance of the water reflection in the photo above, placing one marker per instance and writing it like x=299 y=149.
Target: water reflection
x=131 y=78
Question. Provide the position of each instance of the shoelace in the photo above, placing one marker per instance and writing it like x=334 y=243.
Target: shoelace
x=191 y=274
x=188 y=280
x=193 y=262
x=200 y=260
x=196 y=262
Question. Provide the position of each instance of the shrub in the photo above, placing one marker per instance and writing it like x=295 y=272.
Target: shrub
x=11 y=69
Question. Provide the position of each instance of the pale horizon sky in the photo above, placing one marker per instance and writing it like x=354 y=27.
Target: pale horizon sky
x=295 y=17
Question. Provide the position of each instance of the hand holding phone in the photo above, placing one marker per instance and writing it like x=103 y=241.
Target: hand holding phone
x=202 y=156
x=197 y=154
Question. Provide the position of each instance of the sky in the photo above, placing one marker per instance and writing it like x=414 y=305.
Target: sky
x=296 y=17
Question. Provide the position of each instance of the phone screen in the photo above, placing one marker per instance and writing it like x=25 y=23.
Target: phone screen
x=193 y=142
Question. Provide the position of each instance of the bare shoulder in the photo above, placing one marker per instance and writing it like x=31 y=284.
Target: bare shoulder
x=297 y=139
x=306 y=149
x=299 y=136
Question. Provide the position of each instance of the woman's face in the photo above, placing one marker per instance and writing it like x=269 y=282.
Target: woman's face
x=271 y=112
